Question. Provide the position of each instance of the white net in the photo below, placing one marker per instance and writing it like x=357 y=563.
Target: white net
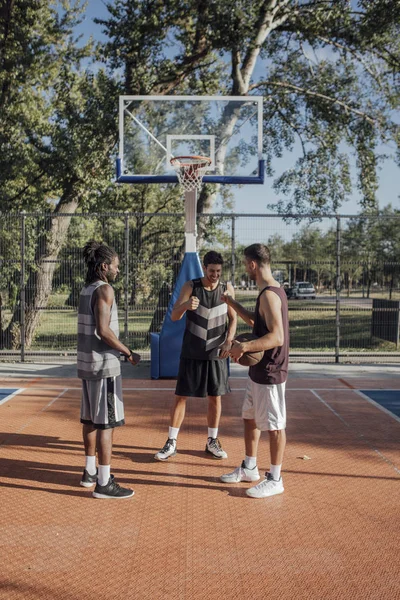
x=190 y=171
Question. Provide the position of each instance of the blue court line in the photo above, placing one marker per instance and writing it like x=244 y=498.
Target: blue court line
x=8 y=393
x=389 y=399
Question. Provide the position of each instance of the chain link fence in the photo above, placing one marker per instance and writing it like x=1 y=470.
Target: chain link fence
x=341 y=274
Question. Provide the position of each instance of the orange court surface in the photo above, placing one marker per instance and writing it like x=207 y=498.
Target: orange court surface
x=333 y=534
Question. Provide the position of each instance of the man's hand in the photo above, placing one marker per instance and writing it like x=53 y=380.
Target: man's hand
x=134 y=358
x=193 y=303
x=226 y=297
x=224 y=349
x=236 y=351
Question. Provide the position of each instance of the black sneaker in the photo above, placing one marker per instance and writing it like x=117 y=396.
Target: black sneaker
x=88 y=480
x=111 y=490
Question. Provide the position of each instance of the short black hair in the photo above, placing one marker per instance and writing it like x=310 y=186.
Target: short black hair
x=213 y=258
x=259 y=253
x=95 y=254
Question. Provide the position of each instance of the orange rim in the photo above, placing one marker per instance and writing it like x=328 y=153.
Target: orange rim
x=181 y=161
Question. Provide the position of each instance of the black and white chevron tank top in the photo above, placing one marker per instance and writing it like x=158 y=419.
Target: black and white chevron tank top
x=206 y=326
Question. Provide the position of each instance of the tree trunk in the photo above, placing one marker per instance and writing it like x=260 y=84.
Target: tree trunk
x=39 y=284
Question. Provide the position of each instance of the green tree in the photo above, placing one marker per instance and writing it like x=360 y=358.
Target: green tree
x=328 y=72
x=57 y=131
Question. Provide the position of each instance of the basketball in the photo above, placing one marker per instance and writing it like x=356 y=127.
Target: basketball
x=249 y=358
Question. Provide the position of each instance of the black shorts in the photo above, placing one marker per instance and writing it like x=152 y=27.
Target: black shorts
x=201 y=378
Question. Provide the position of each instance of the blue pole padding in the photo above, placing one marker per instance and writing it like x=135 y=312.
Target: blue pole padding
x=166 y=353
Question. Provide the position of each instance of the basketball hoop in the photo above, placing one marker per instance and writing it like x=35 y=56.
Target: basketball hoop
x=190 y=171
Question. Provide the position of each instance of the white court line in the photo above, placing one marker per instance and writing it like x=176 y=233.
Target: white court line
x=359 y=435
x=7 y=398
x=151 y=389
x=43 y=409
x=377 y=405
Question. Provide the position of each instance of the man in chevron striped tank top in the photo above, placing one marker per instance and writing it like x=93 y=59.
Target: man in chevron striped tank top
x=99 y=368
x=203 y=370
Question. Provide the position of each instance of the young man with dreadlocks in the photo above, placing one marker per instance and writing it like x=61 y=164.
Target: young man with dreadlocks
x=99 y=368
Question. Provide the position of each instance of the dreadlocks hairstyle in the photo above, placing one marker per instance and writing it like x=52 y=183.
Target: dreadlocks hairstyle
x=95 y=254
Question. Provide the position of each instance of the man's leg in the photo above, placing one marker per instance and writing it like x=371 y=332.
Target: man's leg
x=89 y=439
x=178 y=409
x=271 y=415
x=108 y=410
x=104 y=445
x=178 y=412
x=89 y=476
x=214 y=412
x=213 y=445
x=251 y=437
x=106 y=486
x=104 y=450
x=277 y=443
x=248 y=470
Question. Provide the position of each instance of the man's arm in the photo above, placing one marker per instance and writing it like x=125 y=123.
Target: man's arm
x=271 y=311
x=246 y=315
x=185 y=302
x=103 y=301
x=232 y=323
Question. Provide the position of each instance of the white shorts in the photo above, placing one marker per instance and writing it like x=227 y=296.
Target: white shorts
x=266 y=405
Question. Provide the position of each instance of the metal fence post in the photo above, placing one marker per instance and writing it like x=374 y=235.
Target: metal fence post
x=338 y=285
x=126 y=279
x=233 y=249
x=22 y=288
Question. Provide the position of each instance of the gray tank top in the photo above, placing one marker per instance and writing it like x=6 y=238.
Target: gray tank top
x=96 y=359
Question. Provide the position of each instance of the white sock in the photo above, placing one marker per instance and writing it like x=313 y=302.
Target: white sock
x=173 y=433
x=250 y=462
x=213 y=432
x=104 y=474
x=90 y=464
x=275 y=471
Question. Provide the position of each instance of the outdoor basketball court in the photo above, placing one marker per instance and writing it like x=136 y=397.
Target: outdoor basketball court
x=185 y=535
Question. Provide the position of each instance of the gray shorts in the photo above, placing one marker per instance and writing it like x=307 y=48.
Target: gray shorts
x=102 y=405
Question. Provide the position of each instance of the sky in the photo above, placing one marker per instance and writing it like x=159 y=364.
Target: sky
x=255 y=198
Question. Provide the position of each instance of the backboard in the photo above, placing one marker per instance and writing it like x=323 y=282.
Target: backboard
x=154 y=129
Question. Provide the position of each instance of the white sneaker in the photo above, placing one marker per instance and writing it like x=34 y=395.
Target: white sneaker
x=168 y=450
x=242 y=473
x=214 y=447
x=268 y=487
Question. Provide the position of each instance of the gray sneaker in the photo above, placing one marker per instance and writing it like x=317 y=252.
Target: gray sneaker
x=242 y=473
x=268 y=487
x=168 y=450
x=214 y=448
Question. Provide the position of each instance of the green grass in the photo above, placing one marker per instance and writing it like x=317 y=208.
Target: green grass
x=312 y=327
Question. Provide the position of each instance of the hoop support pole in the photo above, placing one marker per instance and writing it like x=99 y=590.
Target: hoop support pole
x=190 y=220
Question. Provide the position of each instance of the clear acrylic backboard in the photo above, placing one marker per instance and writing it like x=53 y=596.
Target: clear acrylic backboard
x=154 y=129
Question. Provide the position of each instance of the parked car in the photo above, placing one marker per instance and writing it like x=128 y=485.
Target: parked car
x=303 y=289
